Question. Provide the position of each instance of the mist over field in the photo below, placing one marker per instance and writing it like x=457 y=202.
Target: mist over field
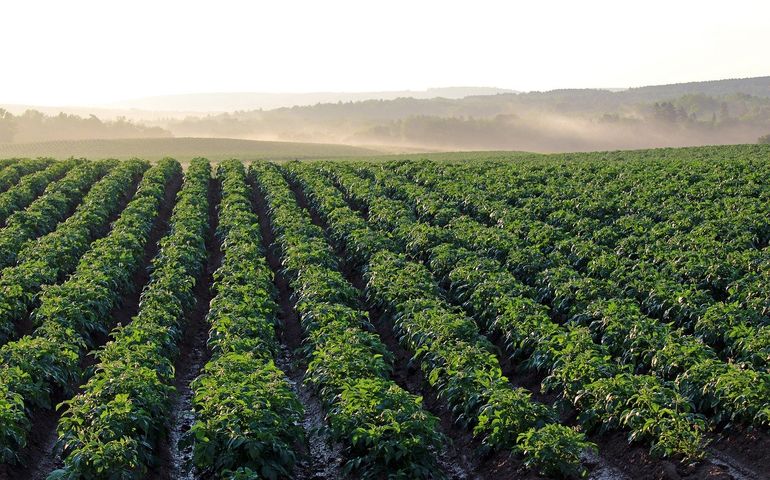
x=698 y=113
x=542 y=77
x=347 y=240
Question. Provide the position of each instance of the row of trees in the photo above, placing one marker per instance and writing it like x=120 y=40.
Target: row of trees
x=33 y=126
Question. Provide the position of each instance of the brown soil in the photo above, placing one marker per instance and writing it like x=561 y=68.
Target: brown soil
x=635 y=462
x=320 y=458
x=175 y=459
x=744 y=450
x=458 y=458
x=740 y=455
x=41 y=456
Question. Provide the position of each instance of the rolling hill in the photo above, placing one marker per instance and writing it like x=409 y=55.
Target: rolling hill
x=182 y=149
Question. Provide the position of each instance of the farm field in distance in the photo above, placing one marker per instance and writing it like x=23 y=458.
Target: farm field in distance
x=181 y=149
x=458 y=316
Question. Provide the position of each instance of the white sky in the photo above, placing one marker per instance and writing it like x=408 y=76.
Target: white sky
x=87 y=52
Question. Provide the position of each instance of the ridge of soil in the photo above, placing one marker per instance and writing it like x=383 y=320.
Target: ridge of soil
x=457 y=458
x=627 y=462
x=738 y=454
x=41 y=456
x=175 y=460
x=320 y=458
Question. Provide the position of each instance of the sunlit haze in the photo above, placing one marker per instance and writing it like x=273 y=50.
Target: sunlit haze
x=90 y=52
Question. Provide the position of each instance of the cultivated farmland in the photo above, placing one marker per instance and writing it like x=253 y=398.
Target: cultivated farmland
x=466 y=316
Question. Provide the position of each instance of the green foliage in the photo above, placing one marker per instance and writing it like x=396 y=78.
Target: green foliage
x=385 y=430
x=30 y=186
x=456 y=360
x=56 y=254
x=70 y=312
x=56 y=202
x=13 y=171
x=247 y=415
x=122 y=407
x=637 y=289
x=554 y=450
x=574 y=358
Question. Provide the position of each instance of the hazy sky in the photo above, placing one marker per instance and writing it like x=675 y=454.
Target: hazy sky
x=87 y=52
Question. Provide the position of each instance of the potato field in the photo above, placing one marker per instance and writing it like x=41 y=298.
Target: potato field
x=499 y=316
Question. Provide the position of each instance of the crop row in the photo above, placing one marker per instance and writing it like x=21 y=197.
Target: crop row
x=52 y=256
x=17 y=170
x=30 y=187
x=694 y=258
x=723 y=390
x=575 y=365
x=700 y=266
x=247 y=417
x=7 y=162
x=70 y=313
x=384 y=428
x=456 y=359
x=111 y=428
x=42 y=215
x=707 y=229
x=727 y=391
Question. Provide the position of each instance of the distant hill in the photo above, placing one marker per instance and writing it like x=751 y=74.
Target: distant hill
x=182 y=149
x=594 y=100
x=453 y=102
x=688 y=114
x=756 y=86
x=228 y=102
x=245 y=101
x=462 y=118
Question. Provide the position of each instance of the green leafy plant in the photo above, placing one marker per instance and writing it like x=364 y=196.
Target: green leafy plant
x=554 y=450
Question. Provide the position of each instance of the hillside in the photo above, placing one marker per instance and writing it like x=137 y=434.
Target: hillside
x=735 y=111
x=232 y=101
x=182 y=149
x=688 y=114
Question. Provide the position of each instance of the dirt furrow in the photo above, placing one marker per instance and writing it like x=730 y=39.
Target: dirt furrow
x=456 y=458
x=737 y=454
x=467 y=451
x=175 y=458
x=743 y=452
x=40 y=456
x=321 y=459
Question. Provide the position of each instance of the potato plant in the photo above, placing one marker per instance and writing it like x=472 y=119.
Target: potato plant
x=110 y=429
x=15 y=170
x=617 y=313
x=385 y=430
x=31 y=186
x=71 y=312
x=632 y=284
x=42 y=215
x=247 y=415
x=457 y=361
x=49 y=258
